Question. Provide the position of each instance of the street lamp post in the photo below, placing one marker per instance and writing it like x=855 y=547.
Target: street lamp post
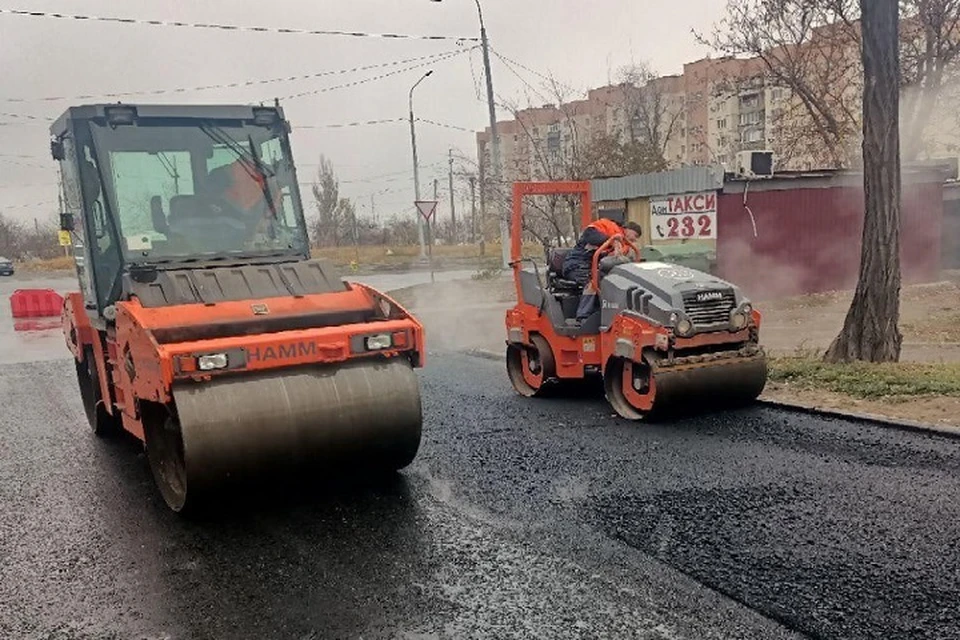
x=416 y=167
x=494 y=136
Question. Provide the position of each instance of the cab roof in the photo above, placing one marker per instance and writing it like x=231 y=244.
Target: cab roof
x=200 y=111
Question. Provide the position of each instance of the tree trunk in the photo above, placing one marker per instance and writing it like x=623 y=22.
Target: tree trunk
x=870 y=329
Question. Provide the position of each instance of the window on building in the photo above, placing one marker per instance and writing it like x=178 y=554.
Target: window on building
x=722 y=123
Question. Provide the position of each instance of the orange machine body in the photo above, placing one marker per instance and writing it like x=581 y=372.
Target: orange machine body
x=539 y=351
x=147 y=350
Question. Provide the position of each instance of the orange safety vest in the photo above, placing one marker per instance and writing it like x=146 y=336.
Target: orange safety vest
x=245 y=190
x=606 y=226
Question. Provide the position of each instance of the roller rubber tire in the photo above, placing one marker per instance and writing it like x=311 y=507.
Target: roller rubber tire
x=614 y=381
x=531 y=370
x=102 y=423
x=164 y=444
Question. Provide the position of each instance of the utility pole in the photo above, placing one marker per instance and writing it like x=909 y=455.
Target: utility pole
x=453 y=213
x=416 y=167
x=483 y=207
x=495 y=141
x=373 y=211
x=473 y=210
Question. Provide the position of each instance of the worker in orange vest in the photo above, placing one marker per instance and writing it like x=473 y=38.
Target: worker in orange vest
x=245 y=192
x=579 y=262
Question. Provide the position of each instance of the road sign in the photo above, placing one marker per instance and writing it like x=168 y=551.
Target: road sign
x=65 y=240
x=426 y=208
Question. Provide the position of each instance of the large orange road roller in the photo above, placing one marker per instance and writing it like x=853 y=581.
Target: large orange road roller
x=664 y=338
x=202 y=326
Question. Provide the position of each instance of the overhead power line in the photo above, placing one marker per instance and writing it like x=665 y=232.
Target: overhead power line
x=28 y=164
x=23 y=116
x=547 y=78
x=444 y=125
x=227 y=85
x=45 y=203
x=382 y=76
x=350 y=124
x=523 y=80
x=364 y=123
x=230 y=27
x=28 y=186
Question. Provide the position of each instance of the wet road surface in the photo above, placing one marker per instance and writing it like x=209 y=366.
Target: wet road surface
x=520 y=518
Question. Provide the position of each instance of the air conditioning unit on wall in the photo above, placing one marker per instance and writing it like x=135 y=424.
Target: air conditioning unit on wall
x=754 y=164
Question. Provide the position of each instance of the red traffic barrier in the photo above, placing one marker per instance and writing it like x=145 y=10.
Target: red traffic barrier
x=35 y=303
x=36 y=325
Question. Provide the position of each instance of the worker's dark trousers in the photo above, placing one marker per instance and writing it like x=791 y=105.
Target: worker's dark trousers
x=580 y=273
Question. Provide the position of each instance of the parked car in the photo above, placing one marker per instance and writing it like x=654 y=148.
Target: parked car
x=6 y=267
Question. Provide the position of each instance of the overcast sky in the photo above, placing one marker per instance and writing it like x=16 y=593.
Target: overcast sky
x=581 y=42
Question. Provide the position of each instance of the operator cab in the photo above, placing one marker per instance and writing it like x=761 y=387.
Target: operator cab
x=150 y=190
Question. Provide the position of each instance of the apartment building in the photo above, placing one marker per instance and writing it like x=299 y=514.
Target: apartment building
x=716 y=108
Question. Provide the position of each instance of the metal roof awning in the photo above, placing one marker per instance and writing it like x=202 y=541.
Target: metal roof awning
x=643 y=185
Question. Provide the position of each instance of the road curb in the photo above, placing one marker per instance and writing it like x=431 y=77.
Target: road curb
x=850 y=416
x=871 y=418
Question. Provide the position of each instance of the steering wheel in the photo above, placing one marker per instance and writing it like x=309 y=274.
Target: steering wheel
x=595 y=270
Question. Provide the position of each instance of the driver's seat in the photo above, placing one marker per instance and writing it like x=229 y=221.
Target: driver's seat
x=185 y=207
x=555 y=280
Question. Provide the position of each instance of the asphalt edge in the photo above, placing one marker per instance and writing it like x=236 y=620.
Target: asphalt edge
x=869 y=418
x=486 y=354
x=849 y=416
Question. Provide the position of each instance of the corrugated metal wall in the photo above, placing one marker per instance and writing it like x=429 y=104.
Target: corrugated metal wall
x=950 y=256
x=684 y=180
x=808 y=240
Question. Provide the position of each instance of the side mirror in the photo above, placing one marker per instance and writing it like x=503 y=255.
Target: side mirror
x=66 y=222
x=57 y=150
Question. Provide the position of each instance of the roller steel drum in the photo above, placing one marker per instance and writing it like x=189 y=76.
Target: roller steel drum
x=709 y=385
x=689 y=388
x=366 y=412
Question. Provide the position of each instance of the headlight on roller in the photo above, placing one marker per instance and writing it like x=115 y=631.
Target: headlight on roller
x=378 y=342
x=684 y=328
x=212 y=361
x=738 y=321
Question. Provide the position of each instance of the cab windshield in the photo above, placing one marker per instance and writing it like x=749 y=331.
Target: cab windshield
x=189 y=191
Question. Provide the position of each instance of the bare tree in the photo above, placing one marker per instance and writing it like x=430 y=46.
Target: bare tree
x=26 y=242
x=808 y=47
x=326 y=199
x=651 y=115
x=870 y=329
x=929 y=51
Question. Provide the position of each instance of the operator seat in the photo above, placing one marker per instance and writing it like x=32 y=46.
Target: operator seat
x=555 y=280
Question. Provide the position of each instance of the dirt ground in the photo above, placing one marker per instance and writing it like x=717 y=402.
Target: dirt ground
x=470 y=315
